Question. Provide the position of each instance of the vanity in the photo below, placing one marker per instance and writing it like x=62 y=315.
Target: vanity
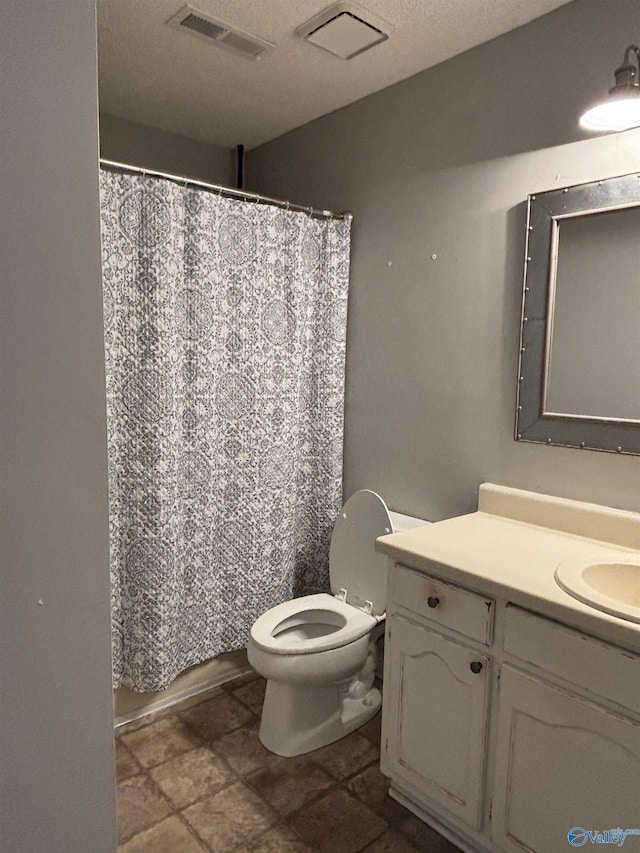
x=511 y=711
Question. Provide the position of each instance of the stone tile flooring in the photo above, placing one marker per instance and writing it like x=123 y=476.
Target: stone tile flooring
x=196 y=779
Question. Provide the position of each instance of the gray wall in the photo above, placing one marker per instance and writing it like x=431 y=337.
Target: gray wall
x=435 y=170
x=140 y=145
x=56 y=731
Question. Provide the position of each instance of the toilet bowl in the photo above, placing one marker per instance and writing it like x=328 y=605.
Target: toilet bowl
x=318 y=653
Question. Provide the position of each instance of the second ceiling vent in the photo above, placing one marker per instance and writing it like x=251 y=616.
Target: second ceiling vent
x=345 y=29
x=216 y=32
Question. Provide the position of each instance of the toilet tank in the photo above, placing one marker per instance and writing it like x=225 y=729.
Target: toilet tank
x=403 y=522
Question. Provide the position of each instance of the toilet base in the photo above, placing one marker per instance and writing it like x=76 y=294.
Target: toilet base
x=298 y=719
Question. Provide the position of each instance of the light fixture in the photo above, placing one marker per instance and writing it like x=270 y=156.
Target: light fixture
x=621 y=110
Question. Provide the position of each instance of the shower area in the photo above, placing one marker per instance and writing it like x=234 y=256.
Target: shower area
x=225 y=326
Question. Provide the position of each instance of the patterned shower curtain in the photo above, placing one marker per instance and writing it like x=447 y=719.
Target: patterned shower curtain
x=225 y=328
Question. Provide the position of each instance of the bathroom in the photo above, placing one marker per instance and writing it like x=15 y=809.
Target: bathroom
x=436 y=170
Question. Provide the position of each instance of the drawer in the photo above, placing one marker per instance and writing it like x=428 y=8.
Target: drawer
x=596 y=666
x=451 y=606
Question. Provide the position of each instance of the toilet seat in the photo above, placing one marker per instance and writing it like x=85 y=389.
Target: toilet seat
x=274 y=631
x=317 y=623
x=358 y=573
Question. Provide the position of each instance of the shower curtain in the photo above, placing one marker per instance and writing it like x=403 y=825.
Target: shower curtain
x=225 y=327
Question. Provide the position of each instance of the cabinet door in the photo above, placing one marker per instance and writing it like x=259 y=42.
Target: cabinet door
x=561 y=763
x=435 y=718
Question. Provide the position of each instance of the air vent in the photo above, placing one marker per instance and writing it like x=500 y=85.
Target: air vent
x=345 y=29
x=218 y=33
x=200 y=25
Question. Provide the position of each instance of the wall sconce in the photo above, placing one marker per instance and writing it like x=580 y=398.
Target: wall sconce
x=621 y=110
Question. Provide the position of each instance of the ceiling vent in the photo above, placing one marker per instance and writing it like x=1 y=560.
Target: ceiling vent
x=218 y=33
x=345 y=29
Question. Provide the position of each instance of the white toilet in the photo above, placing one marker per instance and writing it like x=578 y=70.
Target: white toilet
x=318 y=652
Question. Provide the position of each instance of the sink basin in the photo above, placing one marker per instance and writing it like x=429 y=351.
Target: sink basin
x=608 y=584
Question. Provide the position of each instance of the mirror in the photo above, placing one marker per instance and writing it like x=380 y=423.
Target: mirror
x=579 y=366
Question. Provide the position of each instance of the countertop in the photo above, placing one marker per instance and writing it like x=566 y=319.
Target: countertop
x=515 y=559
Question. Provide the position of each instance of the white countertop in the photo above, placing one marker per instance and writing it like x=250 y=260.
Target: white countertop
x=516 y=559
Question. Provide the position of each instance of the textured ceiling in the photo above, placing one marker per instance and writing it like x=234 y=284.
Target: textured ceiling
x=159 y=76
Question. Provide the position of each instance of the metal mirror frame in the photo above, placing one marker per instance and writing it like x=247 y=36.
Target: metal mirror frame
x=545 y=211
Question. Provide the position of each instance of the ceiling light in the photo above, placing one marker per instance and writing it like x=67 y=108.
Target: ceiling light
x=621 y=110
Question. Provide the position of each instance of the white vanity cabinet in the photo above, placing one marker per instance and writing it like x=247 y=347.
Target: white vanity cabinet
x=562 y=761
x=436 y=738
x=437 y=687
x=503 y=728
x=567 y=736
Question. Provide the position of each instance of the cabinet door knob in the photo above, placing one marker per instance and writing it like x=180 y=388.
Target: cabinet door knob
x=433 y=601
x=475 y=666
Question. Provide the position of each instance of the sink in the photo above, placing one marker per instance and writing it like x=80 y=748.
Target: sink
x=605 y=583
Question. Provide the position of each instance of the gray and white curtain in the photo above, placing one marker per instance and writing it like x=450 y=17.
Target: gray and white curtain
x=225 y=327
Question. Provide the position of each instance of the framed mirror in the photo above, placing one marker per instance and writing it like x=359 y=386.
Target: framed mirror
x=579 y=365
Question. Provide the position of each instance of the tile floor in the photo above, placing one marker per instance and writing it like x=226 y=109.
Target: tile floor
x=196 y=779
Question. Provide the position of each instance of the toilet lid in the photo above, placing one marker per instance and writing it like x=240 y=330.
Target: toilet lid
x=354 y=564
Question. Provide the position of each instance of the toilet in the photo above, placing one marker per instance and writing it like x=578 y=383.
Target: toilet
x=318 y=652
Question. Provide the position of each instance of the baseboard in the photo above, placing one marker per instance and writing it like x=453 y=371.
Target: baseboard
x=187 y=693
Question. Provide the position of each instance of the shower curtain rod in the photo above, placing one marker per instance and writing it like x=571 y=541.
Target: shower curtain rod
x=228 y=192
